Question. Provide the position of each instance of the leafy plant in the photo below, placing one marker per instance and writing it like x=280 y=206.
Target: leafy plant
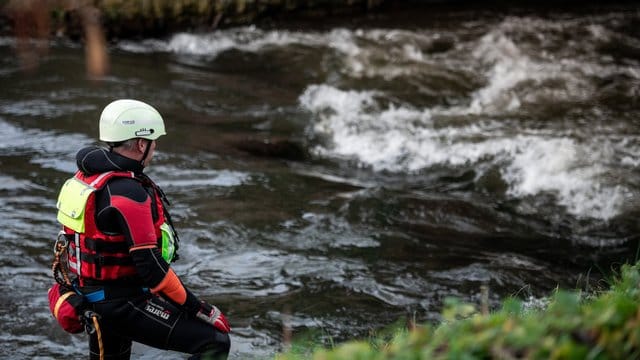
x=605 y=325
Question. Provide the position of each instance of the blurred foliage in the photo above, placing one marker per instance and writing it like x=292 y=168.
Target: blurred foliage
x=95 y=22
x=605 y=325
x=144 y=18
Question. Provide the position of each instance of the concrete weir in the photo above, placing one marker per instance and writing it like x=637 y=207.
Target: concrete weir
x=143 y=18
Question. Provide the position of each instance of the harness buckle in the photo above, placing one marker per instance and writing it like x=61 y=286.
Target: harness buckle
x=95 y=296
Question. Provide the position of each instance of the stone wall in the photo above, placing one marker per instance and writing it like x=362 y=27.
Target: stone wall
x=144 y=18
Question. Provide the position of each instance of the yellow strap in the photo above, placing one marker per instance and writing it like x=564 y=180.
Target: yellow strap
x=100 y=345
x=60 y=301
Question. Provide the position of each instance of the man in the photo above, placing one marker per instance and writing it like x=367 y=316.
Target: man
x=121 y=243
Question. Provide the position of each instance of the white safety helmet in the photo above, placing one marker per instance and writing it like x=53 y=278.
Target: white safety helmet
x=128 y=119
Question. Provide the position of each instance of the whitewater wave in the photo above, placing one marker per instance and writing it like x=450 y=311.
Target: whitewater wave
x=487 y=82
x=248 y=39
x=583 y=175
x=401 y=139
x=357 y=50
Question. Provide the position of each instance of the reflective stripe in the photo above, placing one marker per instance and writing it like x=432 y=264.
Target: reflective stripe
x=78 y=260
x=60 y=301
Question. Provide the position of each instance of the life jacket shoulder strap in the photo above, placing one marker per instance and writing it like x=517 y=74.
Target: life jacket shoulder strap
x=98 y=181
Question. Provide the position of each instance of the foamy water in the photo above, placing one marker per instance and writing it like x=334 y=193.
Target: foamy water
x=398 y=136
x=170 y=177
x=403 y=139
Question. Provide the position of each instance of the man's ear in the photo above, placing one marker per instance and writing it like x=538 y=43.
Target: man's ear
x=140 y=143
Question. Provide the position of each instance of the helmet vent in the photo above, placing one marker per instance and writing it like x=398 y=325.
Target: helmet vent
x=144 y=132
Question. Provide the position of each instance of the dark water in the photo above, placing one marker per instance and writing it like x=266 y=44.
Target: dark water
x=345 y=177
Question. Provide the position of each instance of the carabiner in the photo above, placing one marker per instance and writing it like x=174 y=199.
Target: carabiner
x=61 y=243
x=89 y=324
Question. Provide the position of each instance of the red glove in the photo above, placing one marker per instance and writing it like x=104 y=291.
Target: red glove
x=212 y=315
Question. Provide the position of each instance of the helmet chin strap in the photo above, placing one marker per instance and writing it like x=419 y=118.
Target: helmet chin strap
x=146 y=152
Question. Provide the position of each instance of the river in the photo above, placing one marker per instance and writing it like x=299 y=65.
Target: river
x=338 y=178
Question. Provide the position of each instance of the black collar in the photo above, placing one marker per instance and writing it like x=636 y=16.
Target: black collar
x=96 y=160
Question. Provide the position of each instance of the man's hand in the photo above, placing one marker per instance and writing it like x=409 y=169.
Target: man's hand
x=212 y=315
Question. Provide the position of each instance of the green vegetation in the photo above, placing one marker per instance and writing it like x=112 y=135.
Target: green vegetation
x=605 y=325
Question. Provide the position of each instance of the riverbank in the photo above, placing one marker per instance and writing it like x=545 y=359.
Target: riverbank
x=157 y=18
x=152 y=18
x=573 y=325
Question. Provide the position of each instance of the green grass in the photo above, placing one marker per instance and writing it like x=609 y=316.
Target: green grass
x=603 y=325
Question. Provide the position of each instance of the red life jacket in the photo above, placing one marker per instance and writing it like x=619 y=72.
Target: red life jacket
x=98 y=256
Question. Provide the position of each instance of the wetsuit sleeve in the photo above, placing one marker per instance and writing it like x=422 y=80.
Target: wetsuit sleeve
x=161 y=278
x=131 y=211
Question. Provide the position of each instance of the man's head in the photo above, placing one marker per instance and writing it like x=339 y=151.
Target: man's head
x=130 y=127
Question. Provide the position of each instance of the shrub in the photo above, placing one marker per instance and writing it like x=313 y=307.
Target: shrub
x=605 y=325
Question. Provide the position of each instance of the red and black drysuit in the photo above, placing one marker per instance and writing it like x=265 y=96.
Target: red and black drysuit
x=144 y=299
